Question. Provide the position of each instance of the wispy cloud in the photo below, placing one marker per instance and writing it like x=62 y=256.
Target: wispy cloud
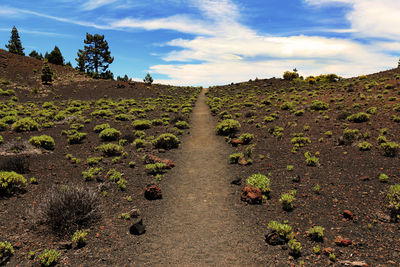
x=94 y=4
x=35 y=32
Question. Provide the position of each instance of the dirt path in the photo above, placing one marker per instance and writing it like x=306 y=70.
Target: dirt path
x=198 y=225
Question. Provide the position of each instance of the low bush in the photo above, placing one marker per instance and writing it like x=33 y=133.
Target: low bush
x=393 y=200
x=316 y=233
x=1 y=139
x=91 y=173
x=294 y=247
x=319 y=105
x=390 y=148
x=246 y=138
x=76 y=137
x=68 y=208
x=79 y=238
x=43 y=141
x=182 y=125
x=99 y=128
x=311 y=160
x=138 y=143
x=156 y=168
x=110 y=134
x=228 y=127
x=287 y=200
x=10 y=181
x=93 y=160
x=110 y=149
x=359 y=117
x=25 y=125
x=234 y=158
x=6 y=251
x=290 y=75
x=383 y=178
x=284 y=230
x=49 y=257
x=364 y=146
x=260 y=181
x=166 y=141
x=141 y=124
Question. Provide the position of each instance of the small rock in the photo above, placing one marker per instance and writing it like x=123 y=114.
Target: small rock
x=134 y=213
x=354 y=263
x=364 y=178
x=237 y=181
x=296 y=179
x=137 y=227
x=17 y=245
x=152 y=192
x=251 y=195
x=328 y=250
x=383 y=217
x=151 y=159
x=274 y=239
x=65 y=245
x=348 y=214
x=242 y=161
x=344 y=242
x=236 y=142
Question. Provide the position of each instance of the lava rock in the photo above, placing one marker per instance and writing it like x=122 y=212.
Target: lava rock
x=251 y=195
x=65 y=245
x=137 y=228
x=236 y=142
x=151 y=159
x=274 y=239
x=152 y=192
x=237 y=181
x=343 y=242
x=348 y=214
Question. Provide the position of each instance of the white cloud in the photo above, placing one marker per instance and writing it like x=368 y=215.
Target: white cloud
x=94 y=4
x=371 y=18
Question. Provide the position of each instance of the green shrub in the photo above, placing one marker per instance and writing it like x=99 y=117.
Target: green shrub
x=49 y=257
x=122 y=117
x=311 y=160
x=1 y=140
x=102 y=113
x=284 y=230
x=359 y=117
x=166 y=141
x=76 y=137
x=287 y=105
x=260 y=181
x=300 y=141
x=93 y=160
x=234 y=158
x=99 y=128
x=91 y=173
x=79 y=238
x=3 y=126
x=228 y=127
x=141 y=124
x=317 y=249
x=44 y=141
x=390 y=148
x=110 y=149
x=349 y=135
x=6 y=250
x=110 y=134
x=299 y=112
x=290 y=75
x=294 y=247
x=25 y=125
x=319 y=105
x=246 y=138
x=381 y=139
x=10 y=181
x=383 y=178
x=393 y=200
x=287 y=200
x=269 y=119
x=156 y=168
x=182 y=125
x=365 y=146
x=316 y=233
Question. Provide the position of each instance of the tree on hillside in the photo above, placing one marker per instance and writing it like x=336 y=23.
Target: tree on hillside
x=36 y=55
x=14 y=45
x=55 y=56
x=148 y=79
x=95 y=57
x=398 y=64
x=47 y=73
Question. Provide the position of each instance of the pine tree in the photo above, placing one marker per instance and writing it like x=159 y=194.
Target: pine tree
x=398 y=64
x=36 y=55
x=47 y=73
x=14 y=45
x=95 y=58
x=148 y=79
x=55 y=56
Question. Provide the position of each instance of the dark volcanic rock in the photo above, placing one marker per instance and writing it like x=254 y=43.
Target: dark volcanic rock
x=137 y=227
x=152 y=192
x=251 y=195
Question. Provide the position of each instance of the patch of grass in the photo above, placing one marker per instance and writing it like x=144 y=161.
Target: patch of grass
x=166 y=141
x=260 y=181
x=110 y=149
x=25 y=125
x=10 y=181
x=228 y=127
x=43 y=141
x=49 y=257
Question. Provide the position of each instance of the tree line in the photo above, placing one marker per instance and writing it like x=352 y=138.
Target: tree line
x=93 y=60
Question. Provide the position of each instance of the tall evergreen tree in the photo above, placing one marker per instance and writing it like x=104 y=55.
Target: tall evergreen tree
x=148 y=79
x=14 y=45
x=47 y=73
x=95 y=57
x=55 y=56
x=36 y=55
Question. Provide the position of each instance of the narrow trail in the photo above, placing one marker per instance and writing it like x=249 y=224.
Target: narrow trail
x=198 y=225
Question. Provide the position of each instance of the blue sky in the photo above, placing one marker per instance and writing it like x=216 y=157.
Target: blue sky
x=209 y=42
